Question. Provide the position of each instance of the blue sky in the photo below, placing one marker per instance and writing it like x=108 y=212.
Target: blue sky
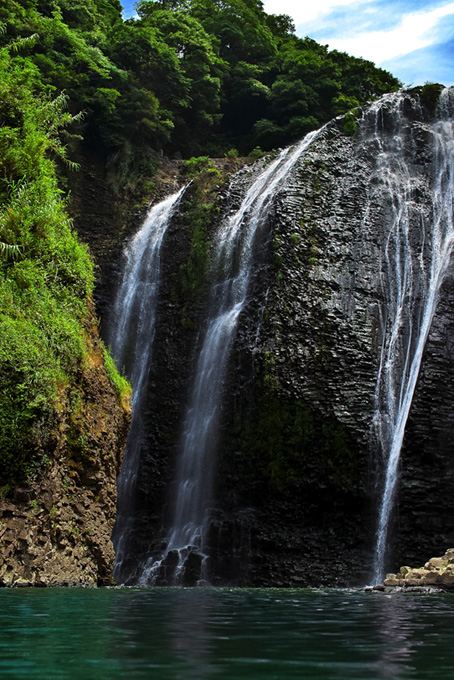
x=414 y=39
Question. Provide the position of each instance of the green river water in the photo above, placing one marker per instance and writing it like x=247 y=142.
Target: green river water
x=234 y=634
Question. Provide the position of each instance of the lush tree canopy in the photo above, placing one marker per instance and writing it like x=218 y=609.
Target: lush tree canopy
x=186 y=76
x=45 y=275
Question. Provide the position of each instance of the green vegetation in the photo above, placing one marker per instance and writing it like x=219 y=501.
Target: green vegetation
x=119 y=382
x=200 y=212
x=194 y=166
x=46 y=275
x=430 y=95
x=186 y=76
x=255 y=154
x=351 y=125
x=293 y=445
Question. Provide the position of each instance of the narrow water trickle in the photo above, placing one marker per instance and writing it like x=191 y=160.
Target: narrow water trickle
x=413 y=271
x=235 y=246
x=131 y=335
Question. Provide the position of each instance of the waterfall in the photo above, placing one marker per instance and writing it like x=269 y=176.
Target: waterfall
x=232 y=266
x=131 y=338
x=413 y=167
x=414 y=271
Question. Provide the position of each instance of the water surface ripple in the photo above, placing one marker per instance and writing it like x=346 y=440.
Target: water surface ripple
x=241 y=634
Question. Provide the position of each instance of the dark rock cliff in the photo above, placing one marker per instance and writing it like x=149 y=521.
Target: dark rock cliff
x=426 y=500
x=300 y=471
x=299 y=466
x=301 y=422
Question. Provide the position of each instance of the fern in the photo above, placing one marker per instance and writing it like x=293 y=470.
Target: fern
x=9 y=251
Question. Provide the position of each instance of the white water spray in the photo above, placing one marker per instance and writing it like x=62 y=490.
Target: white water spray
x=414 y=278
x=131 y=338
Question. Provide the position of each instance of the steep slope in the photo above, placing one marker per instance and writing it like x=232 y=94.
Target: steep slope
x=310 y=410
x=56 y=525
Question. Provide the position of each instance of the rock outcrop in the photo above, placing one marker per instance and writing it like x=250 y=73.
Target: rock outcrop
x=55 y=529
x=437 y=573
x=300 y=469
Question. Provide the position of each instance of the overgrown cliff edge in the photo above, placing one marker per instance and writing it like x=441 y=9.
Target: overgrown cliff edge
x=64 y=410
x=55 y=528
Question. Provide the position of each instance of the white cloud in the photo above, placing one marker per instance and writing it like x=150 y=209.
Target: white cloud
x=410 y=38
x=433 y=64
x=414 y=32
x=304 y=11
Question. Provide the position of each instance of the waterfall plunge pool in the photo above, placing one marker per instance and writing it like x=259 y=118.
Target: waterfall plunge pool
x=253 y=634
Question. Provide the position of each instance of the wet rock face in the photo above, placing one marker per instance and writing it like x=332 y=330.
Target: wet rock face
x=300 y=449
x=301 y=425
x=297 y=467
x=426 y=499
x=164 y=406
x=181 y=317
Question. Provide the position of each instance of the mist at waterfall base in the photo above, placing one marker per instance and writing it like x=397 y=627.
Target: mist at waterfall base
x=200 y=633
x=412 y=271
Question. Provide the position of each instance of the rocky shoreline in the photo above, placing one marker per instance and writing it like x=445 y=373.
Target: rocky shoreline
x=437 y=575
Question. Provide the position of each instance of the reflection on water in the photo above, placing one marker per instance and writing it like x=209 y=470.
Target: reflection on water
x=395 y=626
x=163 y=634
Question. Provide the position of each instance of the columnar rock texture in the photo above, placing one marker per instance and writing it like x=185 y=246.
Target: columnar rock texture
x=180 y=311
x=301 y=471
x=56 y=529
x=300 y=431
x=299 y=467
x=426 y=499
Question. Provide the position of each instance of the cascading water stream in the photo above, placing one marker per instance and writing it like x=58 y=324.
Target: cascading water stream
x=232 y=265
x=131 y=338
x=414 y=275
